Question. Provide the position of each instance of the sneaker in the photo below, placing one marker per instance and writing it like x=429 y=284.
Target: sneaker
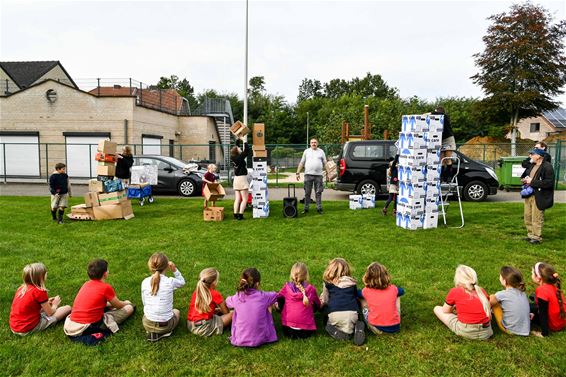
x=335 y=333
x=60 y=222
x=384 y=211
x=534 y=242
x=359 y=333
x=528 y=239
x=320 y=211
x=305 y=211
x=154 y=337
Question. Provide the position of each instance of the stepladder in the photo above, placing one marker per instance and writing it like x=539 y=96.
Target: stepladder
x=450 y=189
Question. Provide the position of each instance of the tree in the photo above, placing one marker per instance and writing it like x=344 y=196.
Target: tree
x=523 y=66
x=309 y=89
x=183 y=87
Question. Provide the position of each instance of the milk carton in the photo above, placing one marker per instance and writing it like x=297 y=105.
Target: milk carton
x=435 y=123
x=430 y=220
x=356 y=201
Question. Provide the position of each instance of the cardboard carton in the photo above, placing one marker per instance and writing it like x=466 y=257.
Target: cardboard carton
x=356 y=201
x=213 y=214
x=101 y=157
x=259 y=134
x=107 y=147
x=261 y=212
x=213 y=191
x=79 y=216
x=412 y=190
x=407 y=221
x=122 y=210
x=94 y=185
x=430 y=220
x=436 y=123
x=91 y=199
x=112 y=198
x=259 y=153
x=144 y=174
x=239 y=129
x=82 y=210
x=104 y=163
x=412 y=174
x=332 y=170
x=433 y=156
x=368 y=201
x=433 y=139
x=106 y=170
x=411 y=206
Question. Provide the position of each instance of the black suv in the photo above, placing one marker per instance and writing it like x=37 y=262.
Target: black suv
x=362 y=168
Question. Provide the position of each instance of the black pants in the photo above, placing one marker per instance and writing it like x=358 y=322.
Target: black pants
x=297 y=334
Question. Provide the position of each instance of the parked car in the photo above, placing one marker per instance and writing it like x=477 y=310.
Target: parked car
x=362 y=168
x=172 y=175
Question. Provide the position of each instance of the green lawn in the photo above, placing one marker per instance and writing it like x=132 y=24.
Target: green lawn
x=422 y=262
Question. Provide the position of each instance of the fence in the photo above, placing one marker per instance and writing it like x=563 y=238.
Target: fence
x=36 y=160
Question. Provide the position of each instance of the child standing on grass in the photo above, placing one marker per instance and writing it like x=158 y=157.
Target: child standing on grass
x=252 y=323
x=550 y=306
x=205 y=302
x=299 y=301
x=97 y=311
x=339 y=299
x=511 y=306
x=159 y=318
x=381 y=302
x=471 y=302
x=209 y=177
x=32 y=311
x=60 y=189
x=393 y=186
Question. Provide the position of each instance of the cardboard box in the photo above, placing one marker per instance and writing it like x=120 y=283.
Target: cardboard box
x=101 y=157
x=82 y=210
x=258 y=136
x=412 y=190
x=104 y=163
x=407 y=221
x=108 y=171
x=368 y=201
x=260 y=168
x=433 y=139
x=412 y=174
x=411 y=140
x=421 y=123
x=107 y=147
x=213 y=191
x=430 y=220
x=436 y=123
x=122 y=210
x=433 y=190
x=94 y=185
x=213 y=214
x=433 y=156
x=432 y=205
x=356 y=202
x=112 y=198
x=239 y=129
x=259 y=183
x=91 y=199
x=433 y=173
x=259 y=153
x=261 y=212
x=408 y=123
x=411 y=206
x=413 y=158
x=79 y=216
x=144 y=174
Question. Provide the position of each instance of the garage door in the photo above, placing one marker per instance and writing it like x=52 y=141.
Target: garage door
x=21 y=155
x=80 y=155
x=151 y=145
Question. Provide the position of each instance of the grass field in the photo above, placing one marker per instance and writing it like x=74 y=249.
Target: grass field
x=422 y=262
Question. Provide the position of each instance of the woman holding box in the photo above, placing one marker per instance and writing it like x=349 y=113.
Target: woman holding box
x=241 y=185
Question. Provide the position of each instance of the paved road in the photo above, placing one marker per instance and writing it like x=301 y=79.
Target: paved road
x=79 y=189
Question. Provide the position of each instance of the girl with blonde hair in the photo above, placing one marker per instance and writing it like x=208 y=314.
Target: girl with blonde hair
x=159 y=317
x=206 y=301
x=32 y=310
x=473 y=313
x=298 y=301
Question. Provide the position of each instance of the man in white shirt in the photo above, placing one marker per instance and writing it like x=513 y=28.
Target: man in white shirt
x=313 y=160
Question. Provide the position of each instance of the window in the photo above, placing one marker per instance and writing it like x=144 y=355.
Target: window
x=535 y=127
x=368 y=151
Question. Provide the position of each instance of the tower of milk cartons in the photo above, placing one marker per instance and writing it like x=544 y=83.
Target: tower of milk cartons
x=419 y=171
x=260 y=199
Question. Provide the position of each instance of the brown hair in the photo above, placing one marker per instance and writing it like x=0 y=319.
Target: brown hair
x=127 y=151
x=157 y=263
x=377 y=276
x=249 y=279
x=542 y=144
x=235 y=151
x=512 y=277
x=336 y=268
x=59 y=166
x=96 y=269
x=549 y=275
x=206 y=279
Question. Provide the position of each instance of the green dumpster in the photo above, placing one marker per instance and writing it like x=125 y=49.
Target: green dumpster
x=511 y=170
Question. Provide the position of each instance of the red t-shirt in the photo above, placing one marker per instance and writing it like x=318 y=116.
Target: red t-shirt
x=548 y=292
x=468 y=305
x=25 y=313
x=91 y=301
x=194 y=314
x=382 y=306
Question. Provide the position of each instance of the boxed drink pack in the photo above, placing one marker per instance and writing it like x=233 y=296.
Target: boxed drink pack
x=122 y=210
x=432 y=173
x=430 y=220
x=91 y=199
x=261 y=211
x=112 y=198
x=368 y=201
x=412 y=190
x=144 y=174
x=213 y=191
x=114 y=185
x=412 y=157
x=356 y=201
x=239 y=129
x=433 y=140
x=433 y=156
x=94 y=185
x=407 y=221
x=412 y=174
x=109 y=171
x=258 y=135
x=213 y=214
x=411 y=205
x=436 y=123
x=107 y=147
x=260 y=168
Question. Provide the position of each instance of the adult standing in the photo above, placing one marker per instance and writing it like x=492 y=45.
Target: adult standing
x=448 y=145
x=124 y=163
x=313 y=160
x=539 y=176
x=539 y=145
x=241 y=185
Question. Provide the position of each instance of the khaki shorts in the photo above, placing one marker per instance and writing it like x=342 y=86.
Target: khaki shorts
x=468 y=330
x=44 y=322
x=59 y=201
x=160 y=327
x=207 y=328
x=449 y=144
x=241 y=182
x=119 y=315
x=344 y=320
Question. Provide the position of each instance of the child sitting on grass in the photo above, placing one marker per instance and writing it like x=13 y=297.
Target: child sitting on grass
x=60 y=189
x=159 y=318
x=205 y=302
x=471 y=302
x=252 y=323
x=299 y=301
x=97 y=311
x=339 y=300
x=550 y=306
x=381 y=302
x=510 y=307
x=32 y=311
x=209 y=177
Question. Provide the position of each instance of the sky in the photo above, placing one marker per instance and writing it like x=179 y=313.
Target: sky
x=423 y=48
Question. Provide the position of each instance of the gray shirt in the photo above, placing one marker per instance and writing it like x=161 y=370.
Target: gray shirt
x=515 y=305
x=314 y=160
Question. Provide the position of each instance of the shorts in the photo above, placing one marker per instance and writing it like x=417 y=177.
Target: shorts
x=160 y=327
x=449 y=144
x=207 y=327
x=241 y=182
x=344 y=320
x=44 y=322
x=119 y=315
x=378 y=330
x=59 y=201
x=476 y=331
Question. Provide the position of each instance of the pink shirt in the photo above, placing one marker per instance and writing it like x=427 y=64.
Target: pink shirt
x=295 y=314
x=382 y=305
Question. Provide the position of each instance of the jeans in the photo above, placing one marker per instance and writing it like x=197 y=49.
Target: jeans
x=315 y=180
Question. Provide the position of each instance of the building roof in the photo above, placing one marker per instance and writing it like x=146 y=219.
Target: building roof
x=26 y=73
x=158 y=99
x=557 y=117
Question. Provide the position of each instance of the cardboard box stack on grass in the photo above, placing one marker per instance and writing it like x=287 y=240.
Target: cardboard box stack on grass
x=212 y=192
x=260 y=199
x=419 y=171
x=106 y=198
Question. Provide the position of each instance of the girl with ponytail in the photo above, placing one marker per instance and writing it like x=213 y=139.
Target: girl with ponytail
x=550 y=306
x=511 y=306
x=298 y=300
x=206 y=301
x=473 y=312
x=159 y=317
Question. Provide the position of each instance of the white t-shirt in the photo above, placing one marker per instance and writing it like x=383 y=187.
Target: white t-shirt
x=314 y=161
x=159 y=308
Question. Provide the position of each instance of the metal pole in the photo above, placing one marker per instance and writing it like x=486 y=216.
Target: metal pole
x=47 y=161
x=4 y=160
x=246 y=72
x=307 y=129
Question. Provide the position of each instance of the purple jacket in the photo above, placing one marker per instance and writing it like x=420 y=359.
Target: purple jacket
x=252 y=323
x=295 y=314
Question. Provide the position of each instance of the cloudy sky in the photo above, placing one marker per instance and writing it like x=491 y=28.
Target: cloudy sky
x=423 y=48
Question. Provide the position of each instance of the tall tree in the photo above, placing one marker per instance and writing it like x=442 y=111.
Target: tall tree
x=523 y=66
x=183 y=87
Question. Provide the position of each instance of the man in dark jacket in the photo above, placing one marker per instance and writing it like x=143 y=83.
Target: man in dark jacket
x=540 y=145
x=539 y=176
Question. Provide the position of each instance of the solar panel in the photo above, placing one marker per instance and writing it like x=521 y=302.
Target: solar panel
x=556 y=117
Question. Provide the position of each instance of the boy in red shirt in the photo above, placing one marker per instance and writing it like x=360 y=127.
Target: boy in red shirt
x=96 y=309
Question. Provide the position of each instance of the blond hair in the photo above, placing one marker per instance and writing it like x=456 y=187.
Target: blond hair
x=157 y=263
x=33 y=274
x=211 y=167
x=206 y=279
x=377 y=276
x=467 y=278
x=336 y=268
x=300 y=274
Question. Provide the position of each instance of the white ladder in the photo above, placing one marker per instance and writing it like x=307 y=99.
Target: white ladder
x=450 y=188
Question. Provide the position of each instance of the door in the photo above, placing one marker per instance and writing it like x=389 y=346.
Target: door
x=81 y=151
x=212 y=151
x=21 y=154
x=151 y=145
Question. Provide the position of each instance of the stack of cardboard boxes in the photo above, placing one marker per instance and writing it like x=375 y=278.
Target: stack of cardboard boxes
x=419 y=171
x=260 y=199
x=106 y=198
x=212 y=192
x=362 y=201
